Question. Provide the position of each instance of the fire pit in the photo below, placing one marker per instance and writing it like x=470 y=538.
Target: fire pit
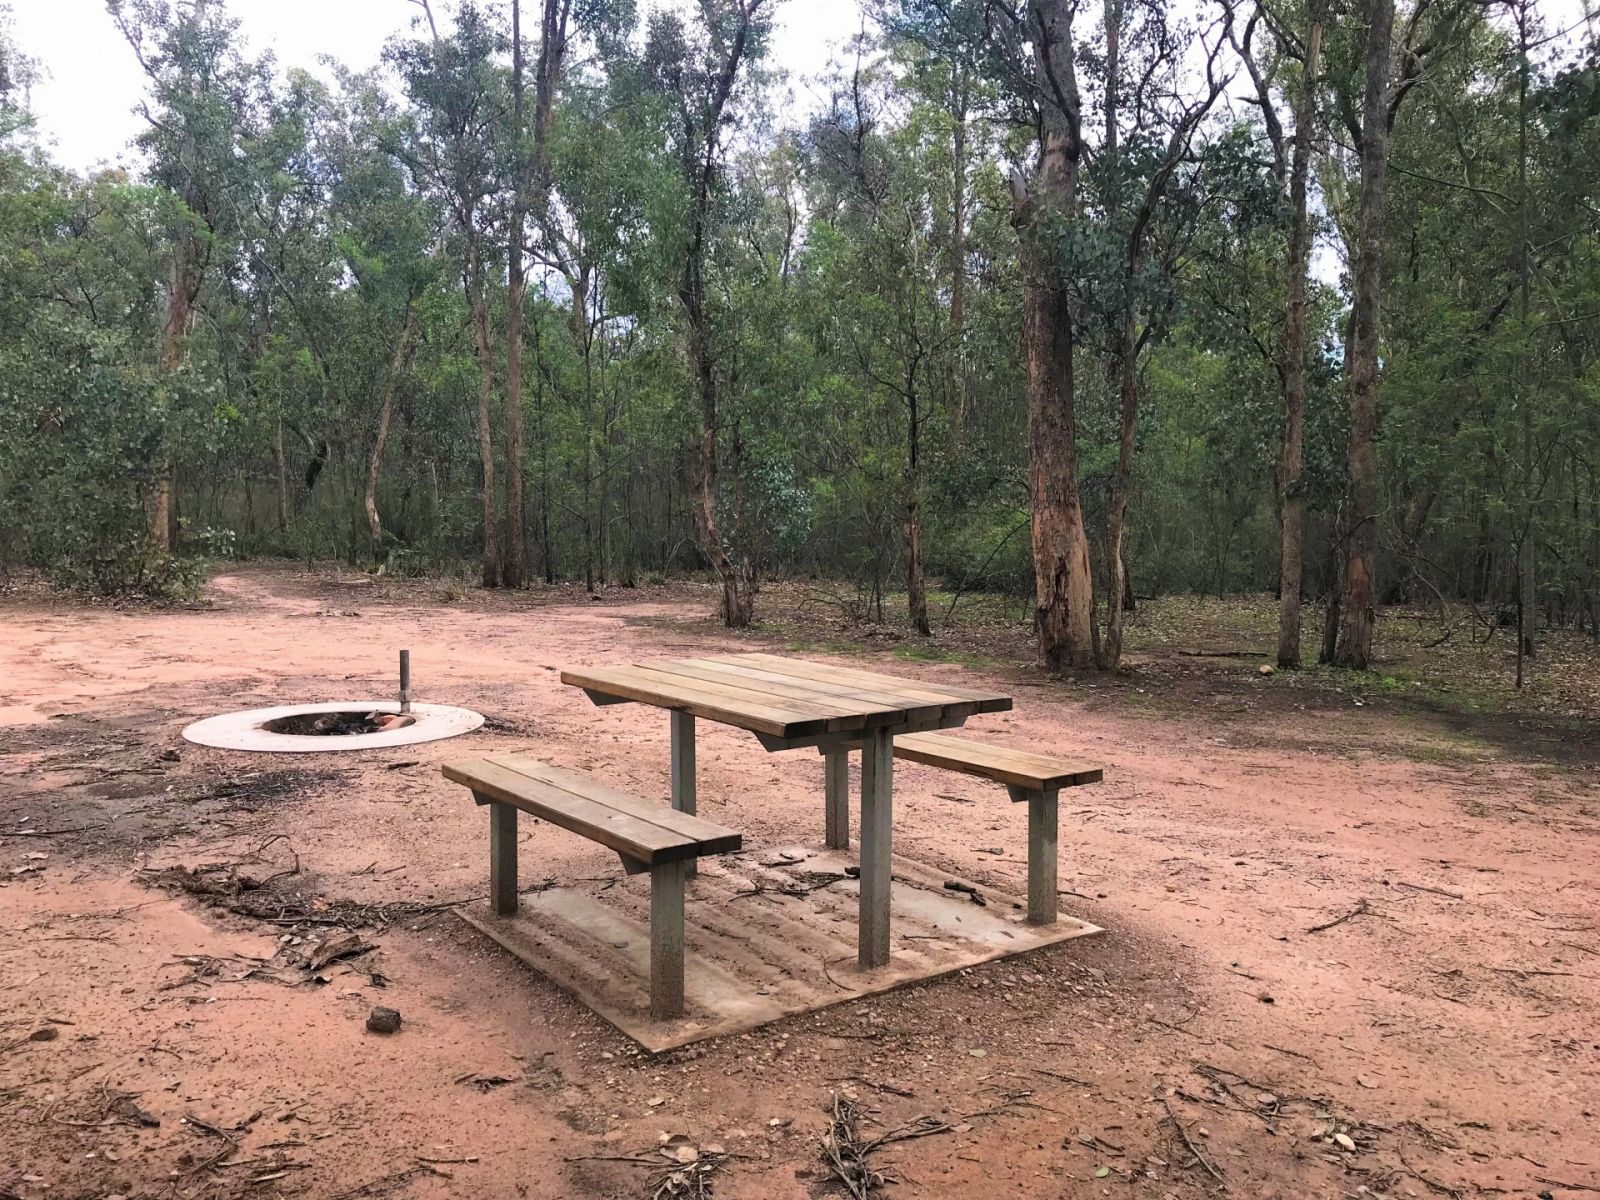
x=339 y=725
x=335 y=726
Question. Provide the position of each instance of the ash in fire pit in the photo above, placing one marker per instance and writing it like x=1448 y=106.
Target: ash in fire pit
x=338 y=724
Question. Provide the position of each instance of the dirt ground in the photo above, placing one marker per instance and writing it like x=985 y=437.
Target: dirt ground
x=1351 y=950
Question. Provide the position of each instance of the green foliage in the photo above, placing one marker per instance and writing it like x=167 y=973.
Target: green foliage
x=314 y=217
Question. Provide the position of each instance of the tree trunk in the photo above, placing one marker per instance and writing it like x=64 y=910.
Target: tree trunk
x=958 y=253
x=1358 y=617
x=283 y=474
x=173 y=331
x=1117 y=503
x=514 y=574
x=701 y=161
x=546 y=552
x=532 y=181
x=391 y=383
x=480 y=328
x=1330 y=617
x=1063 y=586
x=1292 y=498
x=916 y=590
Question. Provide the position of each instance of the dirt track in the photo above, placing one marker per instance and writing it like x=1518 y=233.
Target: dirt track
x=1447 y=1029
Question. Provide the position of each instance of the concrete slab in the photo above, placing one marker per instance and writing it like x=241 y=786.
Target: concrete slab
x=770 y=934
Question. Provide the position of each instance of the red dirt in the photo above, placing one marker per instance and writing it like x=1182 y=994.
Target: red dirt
x=1448 y=1029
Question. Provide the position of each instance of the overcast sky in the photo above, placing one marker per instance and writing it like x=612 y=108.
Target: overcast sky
x=84 y=105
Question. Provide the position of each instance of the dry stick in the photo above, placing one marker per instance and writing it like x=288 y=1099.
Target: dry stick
x=1360 y=910
x=1292 y=1053
x=1433 y=1185
x=1537 y=971
x=1184 y=1134
x=1575 y=1187
x=1422 y=887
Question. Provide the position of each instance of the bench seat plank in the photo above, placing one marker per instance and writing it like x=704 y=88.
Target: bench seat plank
x=1015 y=768
x=648 y=833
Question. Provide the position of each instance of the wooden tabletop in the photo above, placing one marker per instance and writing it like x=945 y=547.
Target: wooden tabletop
x=784 y=697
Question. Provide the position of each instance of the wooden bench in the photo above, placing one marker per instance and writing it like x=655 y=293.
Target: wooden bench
x=1036 y=778
x=647 y=837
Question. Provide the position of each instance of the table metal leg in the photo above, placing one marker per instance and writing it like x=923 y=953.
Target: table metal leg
x=836 y=767
x=877 y=807
x=683 y=771
x=502 y=859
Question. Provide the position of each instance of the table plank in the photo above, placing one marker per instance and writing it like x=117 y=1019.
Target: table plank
x=907 y=695
x=987 y=701
x=747 y=712
x=875 y=707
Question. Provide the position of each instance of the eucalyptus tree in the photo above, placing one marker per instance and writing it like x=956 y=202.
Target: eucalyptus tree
x=1384 y=74
x=877 y=181
x=202 y=93
x=1032 y=54
x=450 y=140
x=1150 y=193
x=1273 y=73
x=699 y=69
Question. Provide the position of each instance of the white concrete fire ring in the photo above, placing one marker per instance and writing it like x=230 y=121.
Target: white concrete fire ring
x=246 y=730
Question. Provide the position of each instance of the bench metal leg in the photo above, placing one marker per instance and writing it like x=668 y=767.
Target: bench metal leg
x=666 y=940
x=683 y=769
x=1042 y=899
x=877 y=792
x=836 y=789
x=502 y=859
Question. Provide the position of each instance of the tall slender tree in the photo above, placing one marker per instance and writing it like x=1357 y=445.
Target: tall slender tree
x=699 y=82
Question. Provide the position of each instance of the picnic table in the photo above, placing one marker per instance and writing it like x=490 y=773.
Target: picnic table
x=790 y=703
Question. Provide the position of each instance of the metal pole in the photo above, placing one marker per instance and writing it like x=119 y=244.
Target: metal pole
x=405 y=681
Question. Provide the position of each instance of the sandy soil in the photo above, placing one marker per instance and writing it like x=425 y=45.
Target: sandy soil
x=1440 y=1041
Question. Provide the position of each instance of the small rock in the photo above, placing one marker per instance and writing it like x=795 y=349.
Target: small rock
x=1265 y=669
x=657 y=1101
x=46 y=1033
x=171 y=755
x=978 y=1053
x=1345 y=1140
x=1266 y=1099
x=383 y=1020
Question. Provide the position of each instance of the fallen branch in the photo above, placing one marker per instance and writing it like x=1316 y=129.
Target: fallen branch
x=1183 y=1133
x=1360 y=910
x=1573 y=1187
x=1422 y=887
